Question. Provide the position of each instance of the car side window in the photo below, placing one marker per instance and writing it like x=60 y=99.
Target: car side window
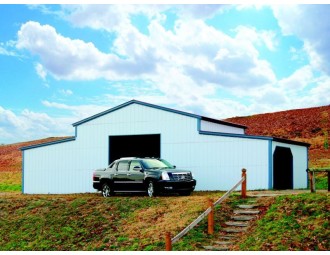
x=122 y=166
x=133 y=164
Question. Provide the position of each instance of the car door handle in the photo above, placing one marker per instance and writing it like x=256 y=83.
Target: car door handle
x=115 y=174
x=128 y=174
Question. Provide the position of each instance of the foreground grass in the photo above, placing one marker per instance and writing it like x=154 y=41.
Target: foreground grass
x=90 y=222
x=295 y=222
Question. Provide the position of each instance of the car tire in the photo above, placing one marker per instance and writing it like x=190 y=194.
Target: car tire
x=151 y=189
x=106 y=190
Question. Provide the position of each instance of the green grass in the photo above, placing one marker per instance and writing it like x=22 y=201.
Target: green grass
x=92 y=223
x=295 y=222
x=10 y=181
x=321 y=180
x=4 y=187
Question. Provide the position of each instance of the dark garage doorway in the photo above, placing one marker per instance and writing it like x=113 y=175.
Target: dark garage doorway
x=283 y=168
x=134 y=146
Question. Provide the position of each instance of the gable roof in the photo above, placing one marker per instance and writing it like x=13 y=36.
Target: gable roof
x=160 y=108
x=176 y=112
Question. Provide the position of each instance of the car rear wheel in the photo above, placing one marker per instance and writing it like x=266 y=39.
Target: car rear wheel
x=106 y=190
x=151 y=189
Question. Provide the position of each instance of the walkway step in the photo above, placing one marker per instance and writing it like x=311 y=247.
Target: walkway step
x=235 y=230
x=246 y=211
x=223 y=242
x=237 y=224
x=247 y=206
x=242 y=217
x=216 y=248
x=228 y=237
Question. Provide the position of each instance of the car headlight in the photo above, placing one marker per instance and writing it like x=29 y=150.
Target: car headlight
x=165 y=176
x=193 y=176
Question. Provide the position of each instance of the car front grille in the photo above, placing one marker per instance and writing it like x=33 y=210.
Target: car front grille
x=182 y=176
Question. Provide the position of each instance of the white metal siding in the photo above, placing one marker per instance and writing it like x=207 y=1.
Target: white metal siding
x=215 y=160
x=215 y=127
x=300 y=163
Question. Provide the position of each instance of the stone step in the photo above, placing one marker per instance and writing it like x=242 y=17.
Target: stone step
x=216 y=248
x=235 y=230
x=237 y=224
x=228 y=237
x=247 y=206
x=243 y=217
x=223 y=242
x=246 y=211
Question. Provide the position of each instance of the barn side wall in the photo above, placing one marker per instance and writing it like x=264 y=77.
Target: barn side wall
x=215 y=127
x=216 y=161
x=300 y=163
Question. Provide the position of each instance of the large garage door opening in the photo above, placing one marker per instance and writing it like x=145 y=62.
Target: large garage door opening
x=283 y=168
x=134 y=146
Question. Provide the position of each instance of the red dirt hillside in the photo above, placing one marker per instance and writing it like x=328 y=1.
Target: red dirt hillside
x=306 y=125
x=11 y=156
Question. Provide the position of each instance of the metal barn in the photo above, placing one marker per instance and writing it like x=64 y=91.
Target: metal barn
x=214 y=150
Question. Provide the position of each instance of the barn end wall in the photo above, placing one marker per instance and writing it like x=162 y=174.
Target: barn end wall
x=300 y=163
x=216 y=161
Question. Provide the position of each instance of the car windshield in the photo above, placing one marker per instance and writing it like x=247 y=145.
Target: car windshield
x=168 y=164
x=153 y=164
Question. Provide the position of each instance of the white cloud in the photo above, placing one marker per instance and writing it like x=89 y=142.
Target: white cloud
x=311 y=23
x=77 y=112
x=41 y=71
x=28 y=125
x=193 y=49
x=74 y=59
x=251 y=35
x=66 y=92
x=298 y=80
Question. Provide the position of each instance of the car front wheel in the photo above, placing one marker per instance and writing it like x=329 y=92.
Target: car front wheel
x=151 y=189
x=106 y=190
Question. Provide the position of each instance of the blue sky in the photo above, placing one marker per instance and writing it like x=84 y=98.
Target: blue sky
x=62 y=63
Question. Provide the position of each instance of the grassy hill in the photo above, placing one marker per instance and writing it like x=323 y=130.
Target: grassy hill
x=89 y=222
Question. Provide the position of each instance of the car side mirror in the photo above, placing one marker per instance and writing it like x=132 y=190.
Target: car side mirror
x=174 y=166
x=138 y=168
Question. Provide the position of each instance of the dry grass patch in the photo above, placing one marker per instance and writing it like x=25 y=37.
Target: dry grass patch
x=10 y=181
x=172 y=214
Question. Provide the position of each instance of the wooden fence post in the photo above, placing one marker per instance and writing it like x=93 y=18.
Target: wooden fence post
x=210 y=222
x=311 y=181
x=244 y=183
x=168 y=241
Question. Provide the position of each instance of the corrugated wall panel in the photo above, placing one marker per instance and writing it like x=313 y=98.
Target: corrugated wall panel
x=215 y=127
x=216 y=161
x=300 y=163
